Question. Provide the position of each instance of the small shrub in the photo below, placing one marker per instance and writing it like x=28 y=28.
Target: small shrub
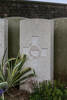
x=49 y=91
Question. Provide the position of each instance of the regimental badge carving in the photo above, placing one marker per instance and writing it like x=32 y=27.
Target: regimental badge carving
x=34 y=51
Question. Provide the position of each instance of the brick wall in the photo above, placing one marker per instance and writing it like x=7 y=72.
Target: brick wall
x=32 y=9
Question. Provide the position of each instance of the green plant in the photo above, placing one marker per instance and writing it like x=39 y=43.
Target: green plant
x=49 y=91
x=15 y=72
x=3 y=88
x=12 y=71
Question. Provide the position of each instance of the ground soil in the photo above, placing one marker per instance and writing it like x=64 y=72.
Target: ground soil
x=16 y=94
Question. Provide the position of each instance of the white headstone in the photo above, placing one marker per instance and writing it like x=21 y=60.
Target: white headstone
x=36 y=40
x=3 y=38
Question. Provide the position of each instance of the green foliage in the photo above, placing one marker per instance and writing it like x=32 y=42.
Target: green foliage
x=1 y=98
x=49 y=91
x=3 y=85
x=12 y=71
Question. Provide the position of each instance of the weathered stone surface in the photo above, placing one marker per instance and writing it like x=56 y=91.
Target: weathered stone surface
x=3 y=38
x=36 y=40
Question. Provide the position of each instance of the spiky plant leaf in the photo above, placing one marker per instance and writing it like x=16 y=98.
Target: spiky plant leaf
x=15 y=72
x=20 y=74
x=21 y=79
x=3 y=85
x=1 y=77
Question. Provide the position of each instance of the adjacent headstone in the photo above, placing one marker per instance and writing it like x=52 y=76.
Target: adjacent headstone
x=3 y=38
x=36 y=41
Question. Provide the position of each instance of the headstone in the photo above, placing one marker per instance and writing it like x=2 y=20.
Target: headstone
x=36 y=41
x=3 y=38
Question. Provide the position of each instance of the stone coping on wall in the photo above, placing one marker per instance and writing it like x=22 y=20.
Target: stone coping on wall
x=26 y=9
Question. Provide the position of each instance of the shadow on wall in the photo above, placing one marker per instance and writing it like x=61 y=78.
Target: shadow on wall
x=60 y=48
x=13 y=36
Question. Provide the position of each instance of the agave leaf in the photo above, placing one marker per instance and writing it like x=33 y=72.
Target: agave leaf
x=21 y=83
x=18 y=58
x=24 y=78
x=20 y=74
x=15 y=69
x=23 y=59
x=19 y=65
x=24 y=81
x=4 y=56
x=9 y=60
x=9 y=76
x=3 y=85
x=0 y=66
x=1 y=76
